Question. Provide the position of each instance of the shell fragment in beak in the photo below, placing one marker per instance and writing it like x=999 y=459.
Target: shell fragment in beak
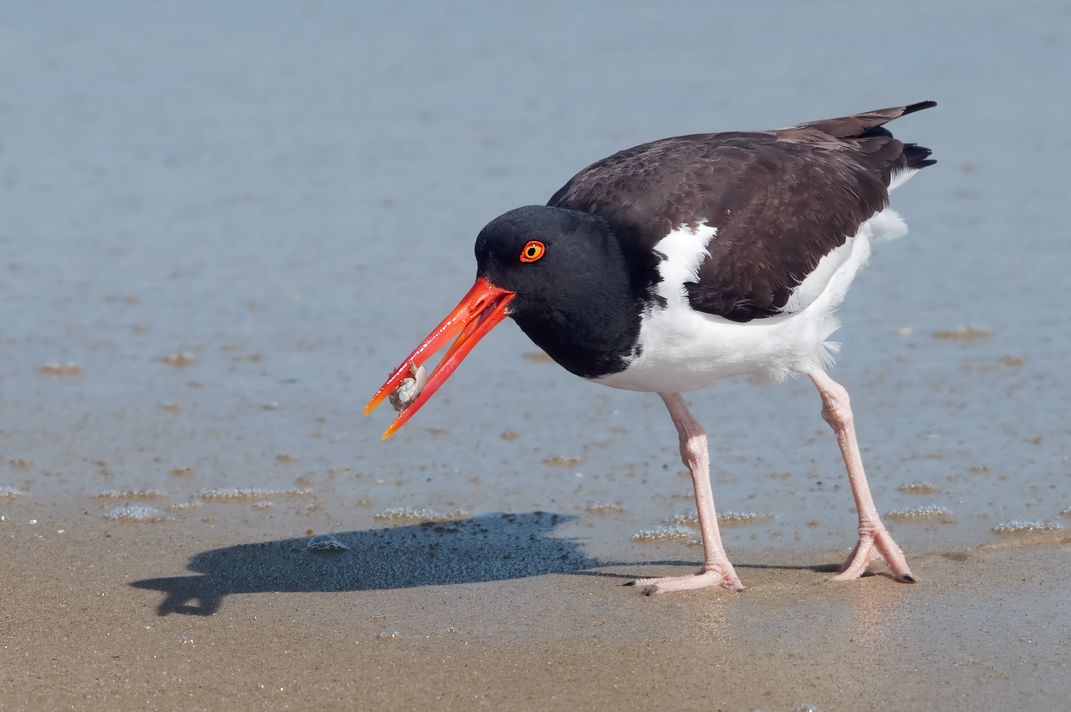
x=409 y=389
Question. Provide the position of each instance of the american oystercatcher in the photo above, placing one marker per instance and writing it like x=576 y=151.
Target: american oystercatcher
x=672 y=265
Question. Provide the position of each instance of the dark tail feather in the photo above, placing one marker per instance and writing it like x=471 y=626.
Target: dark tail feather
x=867 y=123
x=916 y=156
x=867 y=131
x=918 y=106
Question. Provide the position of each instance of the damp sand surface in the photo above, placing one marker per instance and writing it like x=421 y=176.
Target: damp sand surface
x=249 y=615
x=209 y=260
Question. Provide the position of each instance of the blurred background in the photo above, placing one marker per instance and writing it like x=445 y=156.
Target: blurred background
x=221 y=224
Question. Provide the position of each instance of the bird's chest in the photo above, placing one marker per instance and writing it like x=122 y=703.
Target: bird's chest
x=683 y=350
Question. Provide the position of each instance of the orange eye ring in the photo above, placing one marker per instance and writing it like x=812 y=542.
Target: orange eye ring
x=533 y=251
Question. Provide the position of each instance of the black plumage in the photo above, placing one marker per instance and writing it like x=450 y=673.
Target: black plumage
x=780 y=200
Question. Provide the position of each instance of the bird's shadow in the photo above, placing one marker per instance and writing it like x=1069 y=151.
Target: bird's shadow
x=489 y=547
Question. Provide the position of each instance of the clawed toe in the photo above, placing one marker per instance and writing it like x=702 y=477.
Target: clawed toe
x=876 y=543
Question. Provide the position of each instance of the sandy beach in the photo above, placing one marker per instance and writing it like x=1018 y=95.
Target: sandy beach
x=223 y=225
x=114 y=618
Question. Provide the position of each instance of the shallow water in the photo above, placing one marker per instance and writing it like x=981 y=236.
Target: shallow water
x=223 y=226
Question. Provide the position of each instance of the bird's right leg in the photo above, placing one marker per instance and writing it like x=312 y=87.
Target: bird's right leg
x=874 y=538
x=716 y=571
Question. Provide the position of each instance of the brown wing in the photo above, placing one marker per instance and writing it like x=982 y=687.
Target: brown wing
x=780 y=200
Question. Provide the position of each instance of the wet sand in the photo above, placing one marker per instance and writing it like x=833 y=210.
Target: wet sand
x=114 y=618
x=222 y=225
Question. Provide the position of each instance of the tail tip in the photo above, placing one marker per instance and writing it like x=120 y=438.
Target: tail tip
x=918 y=106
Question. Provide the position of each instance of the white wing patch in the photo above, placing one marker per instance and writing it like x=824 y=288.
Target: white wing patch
x=815 y=283
x=682 y=250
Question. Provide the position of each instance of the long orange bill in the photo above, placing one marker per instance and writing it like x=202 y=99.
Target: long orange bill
x=474 y=316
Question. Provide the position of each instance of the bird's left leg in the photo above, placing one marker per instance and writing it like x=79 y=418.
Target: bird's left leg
x=716 y=571
x=874 y=539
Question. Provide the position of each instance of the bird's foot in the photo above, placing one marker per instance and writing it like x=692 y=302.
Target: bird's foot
x=875 y=542
x=704 y=578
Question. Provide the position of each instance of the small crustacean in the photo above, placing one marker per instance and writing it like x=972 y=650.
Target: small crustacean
x=408 y=390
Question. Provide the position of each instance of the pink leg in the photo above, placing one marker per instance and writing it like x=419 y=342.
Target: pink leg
x=716 y=571
x=874 y=539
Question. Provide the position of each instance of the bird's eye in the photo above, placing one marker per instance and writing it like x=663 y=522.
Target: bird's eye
x=533 y=251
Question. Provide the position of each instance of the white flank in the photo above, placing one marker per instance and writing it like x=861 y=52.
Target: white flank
x=900 y=177
x=683 y=350
x=815 y=283
x=884 y=225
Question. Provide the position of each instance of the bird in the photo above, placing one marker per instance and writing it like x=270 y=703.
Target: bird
x=675 y=264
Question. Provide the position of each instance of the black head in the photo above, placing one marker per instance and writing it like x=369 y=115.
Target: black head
x=546 y=255
x=572 y=284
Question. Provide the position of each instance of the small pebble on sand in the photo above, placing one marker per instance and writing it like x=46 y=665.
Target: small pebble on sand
x=562 y=461
x=179 y=359
x=59 y=369
x=963 y=333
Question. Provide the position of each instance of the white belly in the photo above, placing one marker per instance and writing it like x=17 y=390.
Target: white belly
x=683 y=350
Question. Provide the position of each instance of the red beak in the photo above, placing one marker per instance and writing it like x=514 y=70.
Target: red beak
x=474 y=316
